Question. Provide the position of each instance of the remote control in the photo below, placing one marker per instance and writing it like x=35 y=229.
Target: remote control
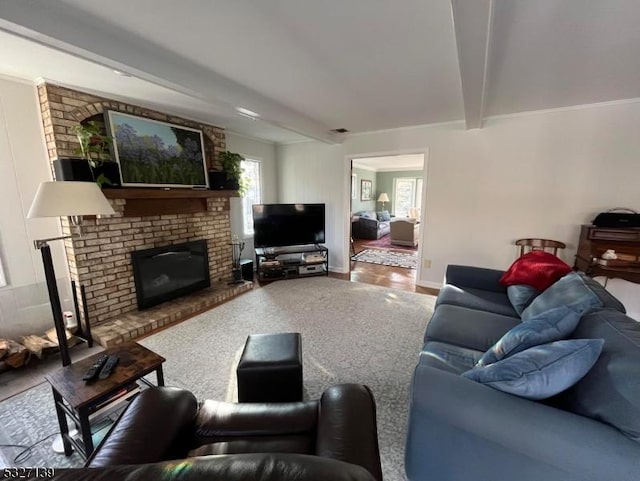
x=109 y=366
x=93 y=371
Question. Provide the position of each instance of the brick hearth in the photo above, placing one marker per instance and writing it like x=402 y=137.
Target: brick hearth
x=100 y=259
x=136 y=324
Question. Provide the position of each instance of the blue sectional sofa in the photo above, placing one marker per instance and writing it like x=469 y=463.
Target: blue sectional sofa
x=461 y=430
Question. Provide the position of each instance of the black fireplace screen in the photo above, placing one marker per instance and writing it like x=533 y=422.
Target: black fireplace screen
x=165 y=273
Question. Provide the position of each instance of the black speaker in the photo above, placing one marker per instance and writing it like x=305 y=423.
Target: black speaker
x=72 y=168
x=247 y=269
x=219 y=181
x=77 y=169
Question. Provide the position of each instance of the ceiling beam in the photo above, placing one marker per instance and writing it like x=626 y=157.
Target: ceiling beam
x=68 y=30
x=472 y=25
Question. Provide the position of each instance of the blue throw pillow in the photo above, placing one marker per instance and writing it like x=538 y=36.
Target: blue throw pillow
x=383 y=216
x=607 y=299
x=521 y=295
x=549 y=326
x=542 y=371
x=570 y=291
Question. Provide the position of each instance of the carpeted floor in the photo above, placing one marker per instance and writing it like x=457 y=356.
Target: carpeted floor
x=351 y=332
x=408 y=260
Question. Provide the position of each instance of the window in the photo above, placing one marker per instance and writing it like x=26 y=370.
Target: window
x=251 y=172
x=407 y=194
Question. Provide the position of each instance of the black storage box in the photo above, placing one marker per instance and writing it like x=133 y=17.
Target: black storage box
x=616 y=219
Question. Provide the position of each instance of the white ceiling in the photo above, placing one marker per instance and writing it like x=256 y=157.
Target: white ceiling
x=308 y=67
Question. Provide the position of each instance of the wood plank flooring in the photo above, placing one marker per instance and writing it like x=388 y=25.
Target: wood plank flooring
x=386 y=276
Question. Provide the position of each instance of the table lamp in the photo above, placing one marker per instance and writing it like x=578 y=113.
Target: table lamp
x=64 y=199
x=383 y=198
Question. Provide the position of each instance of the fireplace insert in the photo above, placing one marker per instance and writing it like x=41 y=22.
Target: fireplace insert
x=164 y=273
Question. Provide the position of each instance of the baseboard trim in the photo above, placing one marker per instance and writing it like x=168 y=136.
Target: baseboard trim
x=429 y=284
x=338 y=270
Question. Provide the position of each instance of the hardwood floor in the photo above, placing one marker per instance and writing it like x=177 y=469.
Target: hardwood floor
x=386 y=276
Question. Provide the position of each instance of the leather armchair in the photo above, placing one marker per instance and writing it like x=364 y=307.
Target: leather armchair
x=334 y=437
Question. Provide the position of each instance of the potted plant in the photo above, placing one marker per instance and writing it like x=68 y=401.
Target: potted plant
x=232 y=172
x=94 y=161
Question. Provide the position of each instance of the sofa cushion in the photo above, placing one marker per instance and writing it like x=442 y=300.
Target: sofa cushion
x=611 y=391
x=468 y=327
x=448 y=357
x=521 y=295
x=479 y=299
x=541 y=371
x=570 y=291
x=537 y=268
x=549 y=326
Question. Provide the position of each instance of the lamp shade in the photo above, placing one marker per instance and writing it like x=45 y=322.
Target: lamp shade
x=66 y=199
x=383 y=197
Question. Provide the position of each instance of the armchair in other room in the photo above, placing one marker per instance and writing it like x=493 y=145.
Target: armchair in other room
x=404 y=232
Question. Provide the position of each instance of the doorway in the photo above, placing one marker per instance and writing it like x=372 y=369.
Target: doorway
x=386 y=219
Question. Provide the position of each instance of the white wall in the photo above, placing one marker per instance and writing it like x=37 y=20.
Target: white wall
x=24 y=307
x=266 y=153
x=535 y=175
x=311 y=172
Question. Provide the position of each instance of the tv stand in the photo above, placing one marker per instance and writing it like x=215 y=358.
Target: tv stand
x=290 y=262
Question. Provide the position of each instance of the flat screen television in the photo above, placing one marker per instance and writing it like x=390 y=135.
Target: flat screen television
x=277 y=225
x=157 y=154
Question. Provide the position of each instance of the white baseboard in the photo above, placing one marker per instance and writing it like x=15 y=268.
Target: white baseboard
x=429 y=284
x=338 y=270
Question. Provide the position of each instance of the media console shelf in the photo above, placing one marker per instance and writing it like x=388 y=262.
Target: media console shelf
x=274 y=263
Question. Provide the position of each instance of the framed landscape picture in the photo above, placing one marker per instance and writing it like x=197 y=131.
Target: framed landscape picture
x=157 y=154
x=365 y=189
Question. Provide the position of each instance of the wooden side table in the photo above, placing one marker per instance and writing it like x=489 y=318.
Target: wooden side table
x=77 y=398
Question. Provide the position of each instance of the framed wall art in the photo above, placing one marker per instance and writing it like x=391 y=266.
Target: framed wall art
x=365 y=189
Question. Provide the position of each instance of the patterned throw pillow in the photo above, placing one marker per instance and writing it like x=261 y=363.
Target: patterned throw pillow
x=383 y=216
x=542 y=371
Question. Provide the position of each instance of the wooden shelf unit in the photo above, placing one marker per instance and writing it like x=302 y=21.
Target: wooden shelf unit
x=289 y=262
x=144 y=201
x=594 y=241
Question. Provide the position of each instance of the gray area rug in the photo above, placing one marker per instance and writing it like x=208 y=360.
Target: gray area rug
x=351 y=332
x=27 y=418
x=387 y=258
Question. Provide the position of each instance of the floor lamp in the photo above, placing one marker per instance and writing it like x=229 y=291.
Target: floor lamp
x=383 y=198
x=64 y=199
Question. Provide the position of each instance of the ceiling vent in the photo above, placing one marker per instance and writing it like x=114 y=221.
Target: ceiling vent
x=340 y=131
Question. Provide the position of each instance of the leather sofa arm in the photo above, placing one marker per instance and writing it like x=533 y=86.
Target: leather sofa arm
x=347 y=428
x=474 y=278
x=157 y=425
x=237 y=467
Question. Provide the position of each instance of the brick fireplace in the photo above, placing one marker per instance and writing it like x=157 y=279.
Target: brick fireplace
x=100 y=259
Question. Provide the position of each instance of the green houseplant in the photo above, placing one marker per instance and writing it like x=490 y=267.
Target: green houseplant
x=94 y=148
x=231 y=164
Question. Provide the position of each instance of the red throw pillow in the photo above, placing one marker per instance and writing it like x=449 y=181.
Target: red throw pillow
x=537 y=268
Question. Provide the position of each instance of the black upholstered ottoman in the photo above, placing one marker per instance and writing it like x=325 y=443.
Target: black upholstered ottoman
x=270 y=369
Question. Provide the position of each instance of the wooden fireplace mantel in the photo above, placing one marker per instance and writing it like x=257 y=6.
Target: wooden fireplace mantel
x=145 y=201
